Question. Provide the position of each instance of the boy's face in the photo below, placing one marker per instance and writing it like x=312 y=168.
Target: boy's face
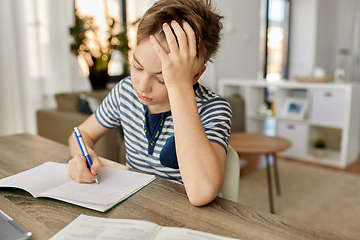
x=147 y=80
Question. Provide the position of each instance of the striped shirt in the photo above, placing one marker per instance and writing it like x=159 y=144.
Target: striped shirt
x=157 y=155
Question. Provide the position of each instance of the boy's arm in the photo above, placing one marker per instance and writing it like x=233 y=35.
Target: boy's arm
x=91 y=132
x=201 y=163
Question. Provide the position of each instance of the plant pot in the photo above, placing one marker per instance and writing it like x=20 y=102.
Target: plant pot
x=98 y=79
x=319 y=152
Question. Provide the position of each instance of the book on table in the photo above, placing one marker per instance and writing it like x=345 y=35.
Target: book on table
x=51 y=180
x=85 y=226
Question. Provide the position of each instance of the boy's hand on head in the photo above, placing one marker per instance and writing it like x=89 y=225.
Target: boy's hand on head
x=79 y=171
x=181 y=64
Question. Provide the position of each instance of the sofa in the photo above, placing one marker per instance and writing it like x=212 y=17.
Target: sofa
x=72 y=109
x=238 y=112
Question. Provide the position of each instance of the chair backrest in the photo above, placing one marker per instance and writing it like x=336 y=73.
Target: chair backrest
x=230 y=187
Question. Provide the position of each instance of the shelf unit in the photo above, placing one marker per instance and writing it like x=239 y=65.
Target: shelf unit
x=332 y=112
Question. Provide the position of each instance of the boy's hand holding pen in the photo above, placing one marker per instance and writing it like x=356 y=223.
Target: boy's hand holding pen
x=80 y=170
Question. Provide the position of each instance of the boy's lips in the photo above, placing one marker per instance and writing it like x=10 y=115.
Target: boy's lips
x=143 y=97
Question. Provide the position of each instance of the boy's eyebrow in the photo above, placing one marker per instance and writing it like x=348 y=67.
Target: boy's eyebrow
x=137 y=61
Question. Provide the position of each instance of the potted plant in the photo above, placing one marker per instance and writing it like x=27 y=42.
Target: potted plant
x=319 y=148
x=97 y=46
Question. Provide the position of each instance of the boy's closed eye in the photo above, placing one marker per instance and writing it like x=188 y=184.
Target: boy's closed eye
x=156 y=76
x=159 y=80
x=136 y=67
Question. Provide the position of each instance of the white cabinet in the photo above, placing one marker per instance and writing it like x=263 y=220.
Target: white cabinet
x=297 y=134
x=332 y=112
x=328 y=107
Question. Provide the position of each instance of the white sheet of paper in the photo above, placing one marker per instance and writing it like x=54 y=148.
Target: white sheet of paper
x=173 y=233
x=87 y=227
x=52 y=180
x=98 y=228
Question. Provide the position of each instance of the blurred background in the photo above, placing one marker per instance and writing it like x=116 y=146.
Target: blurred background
x=262 y=39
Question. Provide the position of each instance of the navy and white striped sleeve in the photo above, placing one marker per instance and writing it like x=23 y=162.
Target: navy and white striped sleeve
x=216 y=119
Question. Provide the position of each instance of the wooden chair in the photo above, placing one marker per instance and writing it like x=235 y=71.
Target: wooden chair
x=230 y=187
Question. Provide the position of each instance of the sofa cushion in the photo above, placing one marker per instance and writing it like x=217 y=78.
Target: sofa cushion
x=99 y=94
x=88 y=104
x=68 y=102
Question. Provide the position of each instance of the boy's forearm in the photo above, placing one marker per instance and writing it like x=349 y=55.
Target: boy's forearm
x=198 y=162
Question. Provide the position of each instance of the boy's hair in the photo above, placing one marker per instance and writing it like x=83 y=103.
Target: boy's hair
x=198 y=13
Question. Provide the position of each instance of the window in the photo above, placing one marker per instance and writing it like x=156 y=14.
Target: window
x=275 y=39
x=98 y=40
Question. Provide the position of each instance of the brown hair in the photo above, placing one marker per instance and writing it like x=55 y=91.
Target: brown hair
x=198 y=13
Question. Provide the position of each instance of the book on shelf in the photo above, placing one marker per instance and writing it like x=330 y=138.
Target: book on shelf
x=85 y=226
x=51 y=180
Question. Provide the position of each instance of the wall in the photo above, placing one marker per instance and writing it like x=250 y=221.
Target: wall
x=238 y=56
x=333 y=15
x=318 y=29
x=346 y=11
x=327 y=16
x=302 y=37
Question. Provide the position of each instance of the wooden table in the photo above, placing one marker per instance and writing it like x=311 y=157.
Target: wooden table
x=162 y=202
x=254 y=143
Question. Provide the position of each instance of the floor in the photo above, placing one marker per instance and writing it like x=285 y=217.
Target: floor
x=253 y=163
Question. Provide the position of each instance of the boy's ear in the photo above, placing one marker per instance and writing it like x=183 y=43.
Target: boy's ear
x=198 y=74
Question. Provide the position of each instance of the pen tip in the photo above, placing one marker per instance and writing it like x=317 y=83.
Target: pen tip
x=96 y=180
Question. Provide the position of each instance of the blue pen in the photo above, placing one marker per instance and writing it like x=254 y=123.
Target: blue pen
x=83 y=149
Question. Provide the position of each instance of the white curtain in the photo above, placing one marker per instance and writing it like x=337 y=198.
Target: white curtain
x=35 y=60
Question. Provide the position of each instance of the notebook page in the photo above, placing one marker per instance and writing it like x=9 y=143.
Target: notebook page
x=39 y=179
x=114 y=184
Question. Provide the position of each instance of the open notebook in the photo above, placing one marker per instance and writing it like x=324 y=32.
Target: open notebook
x=52 y=180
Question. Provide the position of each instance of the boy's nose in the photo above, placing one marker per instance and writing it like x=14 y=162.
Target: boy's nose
x=145 y=84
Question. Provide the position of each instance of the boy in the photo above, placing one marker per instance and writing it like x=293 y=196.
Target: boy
x=173 y=127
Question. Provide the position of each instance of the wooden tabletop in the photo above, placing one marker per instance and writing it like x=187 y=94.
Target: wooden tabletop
x=254 y=143
x=162 y=202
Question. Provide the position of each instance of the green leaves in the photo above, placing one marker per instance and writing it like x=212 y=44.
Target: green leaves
x=320 y=143
x=89 y=41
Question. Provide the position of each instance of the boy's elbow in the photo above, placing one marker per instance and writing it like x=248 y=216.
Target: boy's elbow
x=201 y=198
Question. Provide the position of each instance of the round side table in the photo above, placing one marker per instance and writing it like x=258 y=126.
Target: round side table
x=254 y=143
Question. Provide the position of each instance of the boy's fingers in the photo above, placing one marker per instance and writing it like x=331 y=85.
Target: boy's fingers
x=157 y=48
x=181 y=36
x=86 y=175
x=191 y=38
x=170 y=38
x=95 y=168
x=79 y=171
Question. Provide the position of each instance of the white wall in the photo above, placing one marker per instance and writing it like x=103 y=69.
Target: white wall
x=327 y=16
x=238 y=56
x=318 y=29
x=302 y=37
